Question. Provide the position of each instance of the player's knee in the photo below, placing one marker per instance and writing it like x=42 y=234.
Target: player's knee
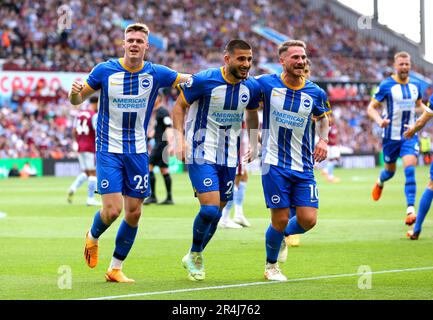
x=308 y=222
x=209 y=213
x=280 y=223
x=133 y=217
x=111 y=212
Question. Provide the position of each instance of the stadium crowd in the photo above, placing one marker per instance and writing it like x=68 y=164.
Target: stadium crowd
x=196 y=33
x=30 y=37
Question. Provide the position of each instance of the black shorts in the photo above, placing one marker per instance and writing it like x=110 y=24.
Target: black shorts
x=156 y=157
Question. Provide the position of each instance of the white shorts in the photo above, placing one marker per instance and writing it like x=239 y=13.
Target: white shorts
x=333 y=152
x=87 y=161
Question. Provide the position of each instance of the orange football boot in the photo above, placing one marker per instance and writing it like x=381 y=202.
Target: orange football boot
x=91 y=252
x=377 y=192
x=117 y=275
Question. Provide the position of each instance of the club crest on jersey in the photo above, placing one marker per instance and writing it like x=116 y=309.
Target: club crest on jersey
x=145 y=83
x=244 y=98
x=306 y=101
x=104 y=184
x=275 y=199
x=207 y=182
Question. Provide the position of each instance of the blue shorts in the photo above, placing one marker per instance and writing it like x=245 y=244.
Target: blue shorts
x=125 y=173
x=284 y=188
x=209 y=177
x=392 y=149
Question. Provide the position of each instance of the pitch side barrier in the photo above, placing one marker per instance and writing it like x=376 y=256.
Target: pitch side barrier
x=70 y=167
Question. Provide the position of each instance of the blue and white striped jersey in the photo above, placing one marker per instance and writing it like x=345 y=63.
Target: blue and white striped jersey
x=214 y=120
x=288 y=138
x=126 y=101
x=400 y=100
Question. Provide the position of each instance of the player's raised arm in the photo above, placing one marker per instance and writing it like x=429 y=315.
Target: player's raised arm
x=321 y=149
x=374 y=114
x=79 y=93
x=179 y=111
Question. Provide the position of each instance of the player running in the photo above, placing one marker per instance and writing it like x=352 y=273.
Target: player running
x=288 y=156
x=217 y=98
x=400 y=94
x=128 y=88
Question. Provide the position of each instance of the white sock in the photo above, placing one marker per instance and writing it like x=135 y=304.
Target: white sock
x=92 y=237
x=91 y=187
x=239 y=210
x=116 y=263
x=79 y=180
x=410 y=209
x=226 y=211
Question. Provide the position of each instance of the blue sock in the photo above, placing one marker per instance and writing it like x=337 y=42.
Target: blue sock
x=293 y=227
x=273 y=243
x=292 y=213
x=424 y=207
x=98 y=226
x=386 y=175
x=124 y=240
x=201 y=225
x=410 y=185
x=239 y=193
x=212 y=229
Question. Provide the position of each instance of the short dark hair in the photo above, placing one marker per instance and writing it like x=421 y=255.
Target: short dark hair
x=237 y=44
x=291 y=43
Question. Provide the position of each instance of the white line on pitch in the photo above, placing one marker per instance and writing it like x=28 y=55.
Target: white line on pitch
x=256 y=283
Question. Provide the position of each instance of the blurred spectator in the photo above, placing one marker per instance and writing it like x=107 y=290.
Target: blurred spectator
x=28 y=171
x=14 y=172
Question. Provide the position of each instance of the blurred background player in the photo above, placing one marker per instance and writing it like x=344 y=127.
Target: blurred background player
x=400 y=94
x=84 y=134
x=427 y=196
x=160 y=152
x=239 y=220
x=333 y=151
x=425 y=148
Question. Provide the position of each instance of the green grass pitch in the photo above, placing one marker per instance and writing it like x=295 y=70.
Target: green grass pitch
x=42 y=238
